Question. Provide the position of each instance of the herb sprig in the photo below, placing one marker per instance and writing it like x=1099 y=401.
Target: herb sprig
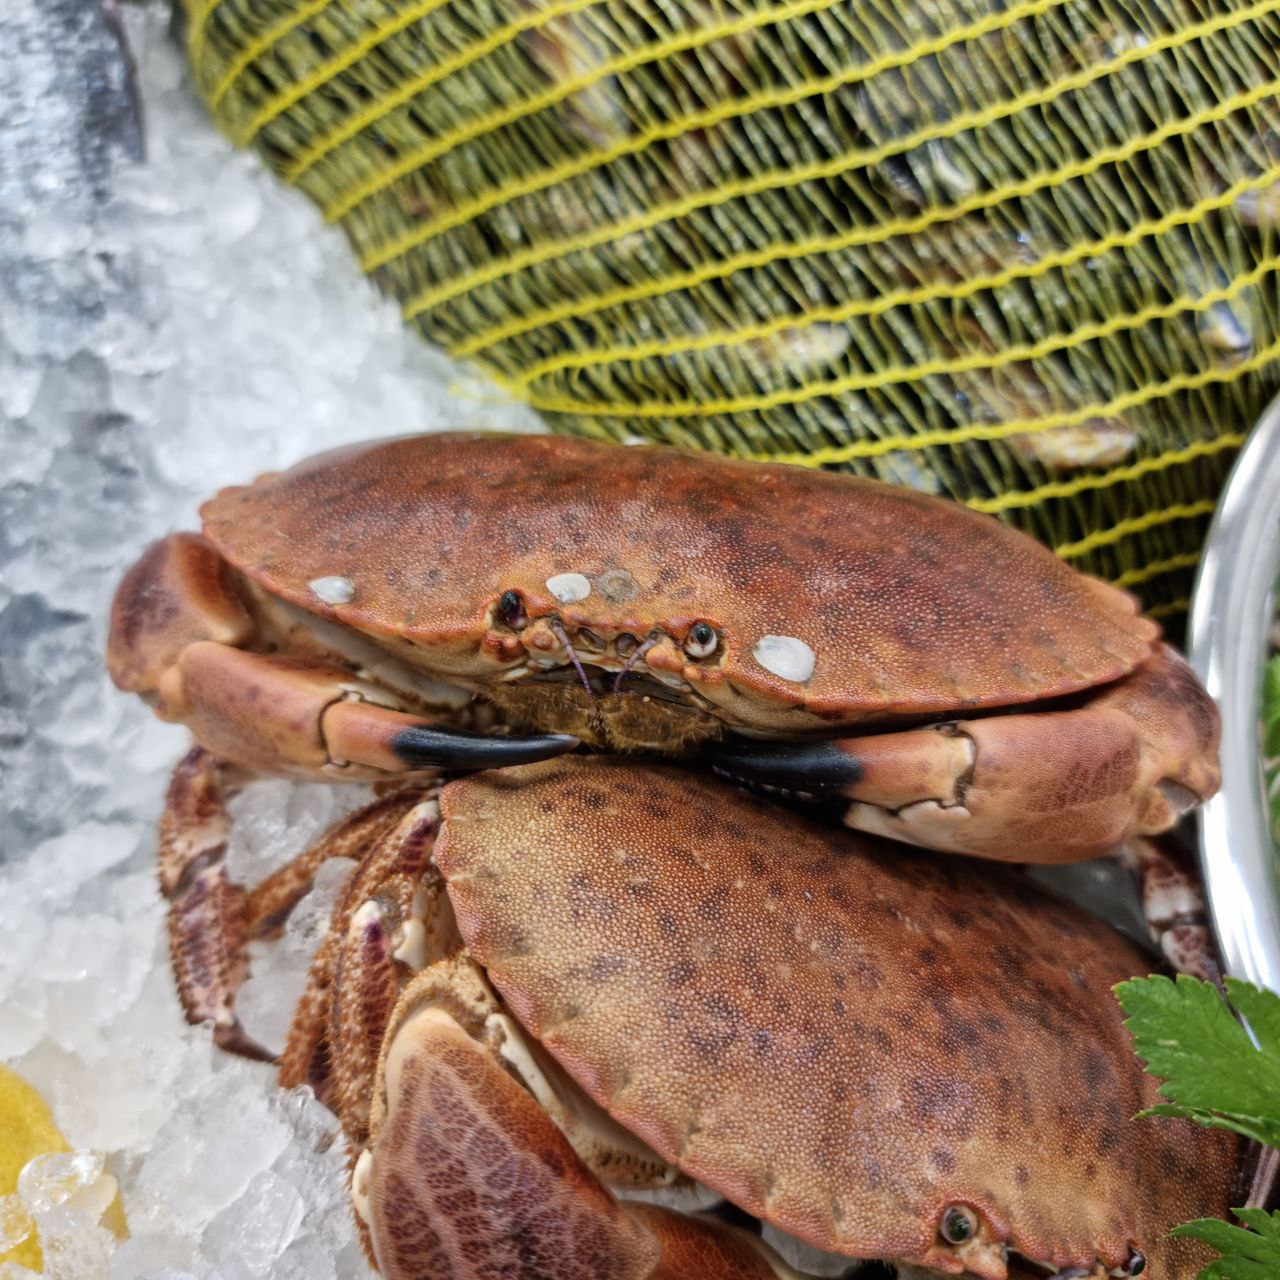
x=1219 y=1075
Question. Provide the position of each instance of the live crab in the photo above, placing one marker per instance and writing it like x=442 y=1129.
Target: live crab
x=430 y=604
x=415 y=604
x=549 y=984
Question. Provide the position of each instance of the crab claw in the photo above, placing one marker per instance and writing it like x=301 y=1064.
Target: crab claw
x=470 y=1177
x=396 y=741
x=808 y=768
x=1057 y=786
x=423 y=748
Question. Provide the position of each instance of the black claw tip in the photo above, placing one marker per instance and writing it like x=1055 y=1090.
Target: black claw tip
x=816 y=767
x=425 y=748
x=233 y=1038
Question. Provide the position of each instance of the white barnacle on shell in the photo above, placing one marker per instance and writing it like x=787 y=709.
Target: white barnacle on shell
x=361 y=1176
x=335 y=589
x=411 y=949
x=787 y=657
x=368 y=913
x=569 y=587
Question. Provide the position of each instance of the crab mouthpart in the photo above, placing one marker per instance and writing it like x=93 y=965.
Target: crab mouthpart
x=633 y=658
x=623 y=690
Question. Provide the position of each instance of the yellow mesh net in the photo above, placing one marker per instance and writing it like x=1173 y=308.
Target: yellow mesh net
x=1023 y=254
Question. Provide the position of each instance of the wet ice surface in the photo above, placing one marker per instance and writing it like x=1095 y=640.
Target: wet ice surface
x=166 y=327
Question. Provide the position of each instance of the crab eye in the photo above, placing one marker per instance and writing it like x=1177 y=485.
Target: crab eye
x=1137 y=1263
x=511 y=609
x=958 y=1224
x=701 y=640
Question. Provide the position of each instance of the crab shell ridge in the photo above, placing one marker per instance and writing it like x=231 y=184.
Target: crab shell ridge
x=910 y=605
x=842 y=1037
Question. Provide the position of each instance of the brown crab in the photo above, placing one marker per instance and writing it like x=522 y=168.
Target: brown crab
x=410 y=605
x=591 y=973
x=818 y=633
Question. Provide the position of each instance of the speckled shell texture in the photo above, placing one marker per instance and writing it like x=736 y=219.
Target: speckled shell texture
x=840 y=1035
x=912 y=605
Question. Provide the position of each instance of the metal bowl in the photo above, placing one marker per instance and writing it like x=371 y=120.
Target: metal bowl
x=1231 y=611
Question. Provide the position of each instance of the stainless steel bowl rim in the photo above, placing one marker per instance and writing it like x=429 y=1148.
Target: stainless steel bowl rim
x=1227 y=644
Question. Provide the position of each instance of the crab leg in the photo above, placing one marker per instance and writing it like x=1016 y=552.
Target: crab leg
x=469 y=1178
x=1035 y=787
x=211 y=919
x=182 y=634
x=385 y=926
x=208 y=924
x=1173 y=904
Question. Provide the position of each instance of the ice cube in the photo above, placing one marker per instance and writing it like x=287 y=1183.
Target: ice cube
x=73 y=1248
x=66 y=1194
x=278 y=976
x=259 y=1226
x=13 y=1271
x=209 y=1149
x=71 y=1178
x=16 y=1224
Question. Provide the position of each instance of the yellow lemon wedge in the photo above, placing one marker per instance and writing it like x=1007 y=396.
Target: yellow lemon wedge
x=27 y=1129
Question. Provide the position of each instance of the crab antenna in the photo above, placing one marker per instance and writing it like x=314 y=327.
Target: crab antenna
x=562 y=635
x=644 y=648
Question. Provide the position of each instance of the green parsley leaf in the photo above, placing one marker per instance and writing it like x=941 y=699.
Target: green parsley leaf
x=1246 y=1255
x=1271 y=708
x=1271 y=741
x=1212 y=1071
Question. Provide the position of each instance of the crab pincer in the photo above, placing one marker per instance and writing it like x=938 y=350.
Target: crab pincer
x=958 y=684
x=268 y=689
x=1124 y=761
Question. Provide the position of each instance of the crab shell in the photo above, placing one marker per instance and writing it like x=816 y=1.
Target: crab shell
x=842 y=1038
x=909 y=605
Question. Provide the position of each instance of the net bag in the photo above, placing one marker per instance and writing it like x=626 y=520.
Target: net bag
x=1021 y=254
